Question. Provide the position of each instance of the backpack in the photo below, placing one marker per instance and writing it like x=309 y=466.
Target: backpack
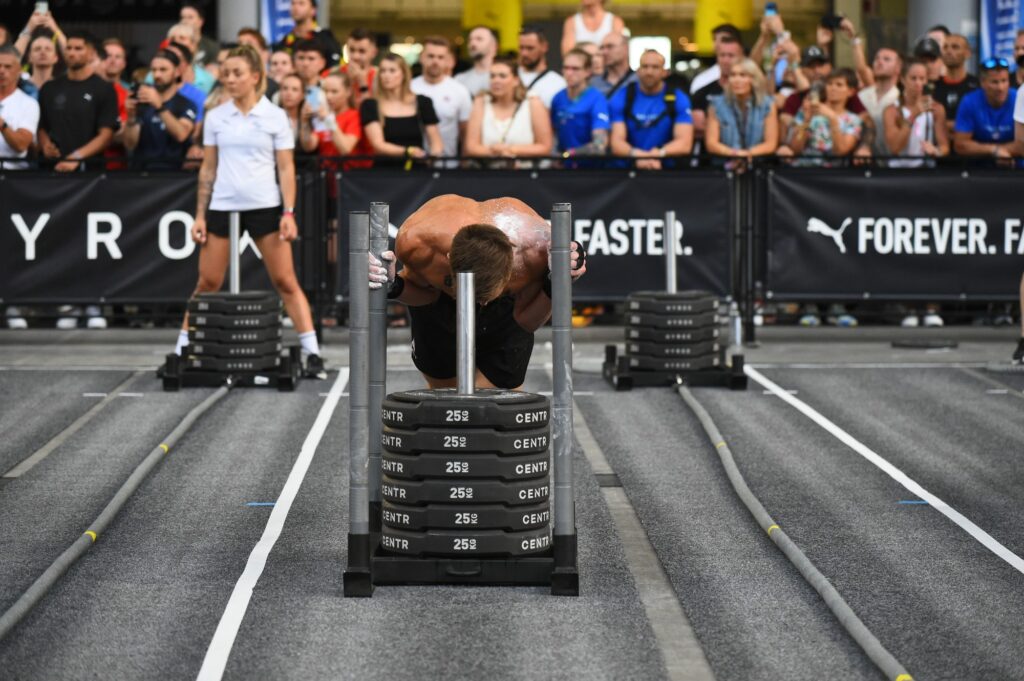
x=669 y=110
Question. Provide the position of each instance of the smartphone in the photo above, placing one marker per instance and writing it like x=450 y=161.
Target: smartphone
x=929 y=89
x=771 y=9
x=42 y=7
x=832 y=21
x=816 y=93
x=313 y=97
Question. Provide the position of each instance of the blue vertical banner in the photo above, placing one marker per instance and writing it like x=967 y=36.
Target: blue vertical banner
x=276 y=20
x=1000 y=21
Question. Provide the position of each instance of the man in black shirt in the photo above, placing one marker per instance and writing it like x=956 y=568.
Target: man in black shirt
x=78 y=111
x=728 y=51
x=160 y=119
x=952 y=87
x=306 y=28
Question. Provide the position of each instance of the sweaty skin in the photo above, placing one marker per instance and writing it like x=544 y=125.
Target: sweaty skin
x=425 y=239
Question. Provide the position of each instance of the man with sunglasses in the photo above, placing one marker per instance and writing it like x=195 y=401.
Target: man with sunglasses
x=984 y=120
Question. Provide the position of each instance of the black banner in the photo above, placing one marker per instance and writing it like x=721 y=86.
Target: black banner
x=115 y=237
x=844 y=234
x=617 y=217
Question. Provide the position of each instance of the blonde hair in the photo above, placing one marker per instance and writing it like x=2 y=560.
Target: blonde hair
x=405 y=89
x=255 y=62
x=185 y=27
x=758 y=83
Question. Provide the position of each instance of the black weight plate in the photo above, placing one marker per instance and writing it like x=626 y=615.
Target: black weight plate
x=272 y=333
x=672 y=336
x=476 y=517
x=672 y=304
x=253 y=350
x=463 y=543
x=227 y=365
x=421 y=492
x=446 y=408
x=656 y=321
x=465 y=440
x=664 y=350
x=203 y=320
x=248 y=303
x=642 y=363
x=466 y=466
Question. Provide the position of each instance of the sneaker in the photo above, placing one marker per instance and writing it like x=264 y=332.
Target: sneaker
x=69 y=317
x=933 y=320
x=315 y=367
x=810 y=320
x=846 y=320
x=910 y=320
x=1002 y=320
x=1018 y=354
x=15 y=320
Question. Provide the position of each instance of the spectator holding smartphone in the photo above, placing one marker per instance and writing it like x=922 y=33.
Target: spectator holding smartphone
x=160 y=120
x=916 y=124
x=825 y=126
x=41 y=22
x=341 y=133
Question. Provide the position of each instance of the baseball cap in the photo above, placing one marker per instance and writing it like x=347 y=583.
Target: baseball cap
x=927 y=48
x=813 y=55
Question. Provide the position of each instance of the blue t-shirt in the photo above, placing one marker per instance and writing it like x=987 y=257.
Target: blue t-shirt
x=575 y=121
x=987 y=125
x=648 y=128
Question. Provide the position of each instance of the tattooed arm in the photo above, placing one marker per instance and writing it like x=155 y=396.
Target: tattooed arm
x=207 y=174
x=597 y=146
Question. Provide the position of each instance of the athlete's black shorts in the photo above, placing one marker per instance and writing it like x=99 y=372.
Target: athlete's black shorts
x=503 y=348
x=257 y=222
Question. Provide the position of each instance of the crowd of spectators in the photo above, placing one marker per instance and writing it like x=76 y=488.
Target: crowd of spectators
x=69 y=103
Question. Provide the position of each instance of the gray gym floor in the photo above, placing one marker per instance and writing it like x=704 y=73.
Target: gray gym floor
x=145 y=601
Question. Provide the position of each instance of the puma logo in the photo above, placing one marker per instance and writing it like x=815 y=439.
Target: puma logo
x=816 y=226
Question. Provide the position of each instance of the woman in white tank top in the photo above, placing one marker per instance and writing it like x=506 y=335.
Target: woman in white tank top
x=505 y=123
x=916 y=124
x=590 y=25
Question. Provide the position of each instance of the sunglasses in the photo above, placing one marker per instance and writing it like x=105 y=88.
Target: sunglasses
x=994 y=63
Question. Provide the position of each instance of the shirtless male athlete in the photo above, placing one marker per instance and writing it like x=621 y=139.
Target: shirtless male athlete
x=507 y=247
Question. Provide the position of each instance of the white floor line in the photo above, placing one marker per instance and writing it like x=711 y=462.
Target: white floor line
x=224 y=638
x=987 y=540
x=868 y=365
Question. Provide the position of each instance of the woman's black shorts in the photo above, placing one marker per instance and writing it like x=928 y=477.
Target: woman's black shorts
x=503 y=348
x=257 y=222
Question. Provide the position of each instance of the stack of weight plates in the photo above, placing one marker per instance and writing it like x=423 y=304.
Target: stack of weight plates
x=234 y=332
x=672 y=332
x=465 y=475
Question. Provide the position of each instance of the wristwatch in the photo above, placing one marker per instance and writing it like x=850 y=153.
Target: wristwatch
x=288 y=210
x=4 y=126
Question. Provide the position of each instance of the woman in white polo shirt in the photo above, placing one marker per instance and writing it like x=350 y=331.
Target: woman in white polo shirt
x=247 y=146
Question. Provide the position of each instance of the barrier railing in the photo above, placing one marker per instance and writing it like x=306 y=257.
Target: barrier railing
x=767 y=230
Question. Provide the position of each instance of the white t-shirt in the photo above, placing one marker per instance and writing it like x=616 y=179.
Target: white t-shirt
x=876 y=106
x=20 y=112
x=246 y=146
x=546 y=88
x=705 y=78
x=475 y=81
x=452 y=104
x=1018 y=107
